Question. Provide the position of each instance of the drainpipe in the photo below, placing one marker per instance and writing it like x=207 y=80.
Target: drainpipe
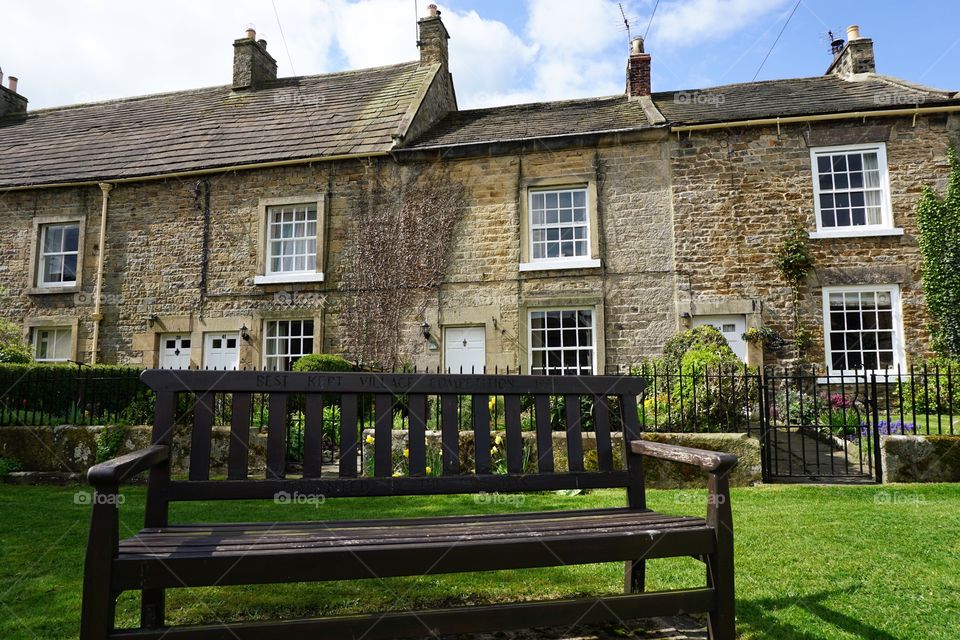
x=105 y=187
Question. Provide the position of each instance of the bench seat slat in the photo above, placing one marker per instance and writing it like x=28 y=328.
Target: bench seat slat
x=345 y=553
x=215 y=539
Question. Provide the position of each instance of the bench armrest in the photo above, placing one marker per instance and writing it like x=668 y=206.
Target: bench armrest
x=113 y=472
x=712 y=461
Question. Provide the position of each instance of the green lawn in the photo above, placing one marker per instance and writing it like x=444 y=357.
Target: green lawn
x=812 y=562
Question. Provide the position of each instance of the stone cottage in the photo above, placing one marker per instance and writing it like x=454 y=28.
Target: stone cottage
x=248 y=224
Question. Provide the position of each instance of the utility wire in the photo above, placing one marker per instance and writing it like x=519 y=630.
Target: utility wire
x=784 y=28
x=657 y=4
x=283 y=37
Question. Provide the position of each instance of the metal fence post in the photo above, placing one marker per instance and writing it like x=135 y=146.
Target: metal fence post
x=878 y=464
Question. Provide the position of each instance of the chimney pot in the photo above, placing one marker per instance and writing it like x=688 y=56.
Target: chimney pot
x=12 y=83
x=433 y=39
x=638 y=70
x=855 y=57
x=252 y=65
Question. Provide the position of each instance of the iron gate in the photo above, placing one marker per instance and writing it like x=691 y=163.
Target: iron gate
x=819 y=428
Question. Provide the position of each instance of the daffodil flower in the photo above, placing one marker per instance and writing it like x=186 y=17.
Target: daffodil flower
x=369 y=440
x=406 y=453
x=498 y=440
x=428 y=470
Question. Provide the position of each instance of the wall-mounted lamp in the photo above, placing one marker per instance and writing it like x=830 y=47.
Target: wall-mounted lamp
x=685 y=315
x=151 y=319
x=425 y=329
x=244 y=332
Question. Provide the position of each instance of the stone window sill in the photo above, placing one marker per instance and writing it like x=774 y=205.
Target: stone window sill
x=570 y=263
x=851 y=233
x=288 y=278
x=38 y=291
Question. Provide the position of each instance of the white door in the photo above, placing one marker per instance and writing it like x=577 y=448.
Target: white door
x=175 y=351
x=465 y=349
x=732 y=328
x=221 y=350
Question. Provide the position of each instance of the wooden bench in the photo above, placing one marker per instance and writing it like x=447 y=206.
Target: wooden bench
x=165 y=555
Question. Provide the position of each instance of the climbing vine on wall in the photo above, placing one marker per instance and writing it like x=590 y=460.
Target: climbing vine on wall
x=938 y=222
x=794 y=262
x=395 y=257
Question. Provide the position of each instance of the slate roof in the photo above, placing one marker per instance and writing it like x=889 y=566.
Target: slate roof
x=535 y=120
x=751 y=100
x=794 y=97
x=339 y=113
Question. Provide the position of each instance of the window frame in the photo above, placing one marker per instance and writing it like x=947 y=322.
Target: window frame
x=36 y=286
x=531 y=186
x=35 y=337
x=264 y=274
x=886 y=227
x=897 y=322
x=594 y=317
x=267 y=359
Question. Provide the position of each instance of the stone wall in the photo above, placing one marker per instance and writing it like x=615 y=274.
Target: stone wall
x=71 y=449
x=735 y=192
x=657 y=473
x=920 y=458
x=152 y=276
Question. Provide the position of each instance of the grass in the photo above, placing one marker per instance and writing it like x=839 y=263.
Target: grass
x=812 y=562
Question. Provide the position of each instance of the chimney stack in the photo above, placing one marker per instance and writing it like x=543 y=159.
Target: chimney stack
x=433 y=39
x=252 y=65
x=11 y=102
x=638 y=70
x=856 y=57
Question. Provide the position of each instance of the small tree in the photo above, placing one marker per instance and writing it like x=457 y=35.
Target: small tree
x=13 y=348
x=938 y=222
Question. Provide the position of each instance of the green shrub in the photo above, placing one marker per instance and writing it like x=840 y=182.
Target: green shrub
x=934 y=388
x=322 y=362
x=705 y=337
x=8 y=466
x=109 y=442
x=42 y=393
x=13 y=348
x=699 y=385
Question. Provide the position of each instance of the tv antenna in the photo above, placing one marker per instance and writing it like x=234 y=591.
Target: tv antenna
x=836 y=42
x=626 y=22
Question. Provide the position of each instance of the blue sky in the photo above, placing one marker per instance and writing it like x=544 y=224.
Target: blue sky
x=502 y=51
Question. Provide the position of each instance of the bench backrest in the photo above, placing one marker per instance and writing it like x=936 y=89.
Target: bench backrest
x=422 y=399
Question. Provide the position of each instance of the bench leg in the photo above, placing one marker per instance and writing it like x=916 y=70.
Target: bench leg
x=151 y=608
x=635 y=576
x=99 y=600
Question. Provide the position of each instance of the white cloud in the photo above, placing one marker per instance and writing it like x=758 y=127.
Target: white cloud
x=99 y=49
x=692 y=22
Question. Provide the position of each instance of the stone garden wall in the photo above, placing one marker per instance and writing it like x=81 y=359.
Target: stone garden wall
x=920 y=458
